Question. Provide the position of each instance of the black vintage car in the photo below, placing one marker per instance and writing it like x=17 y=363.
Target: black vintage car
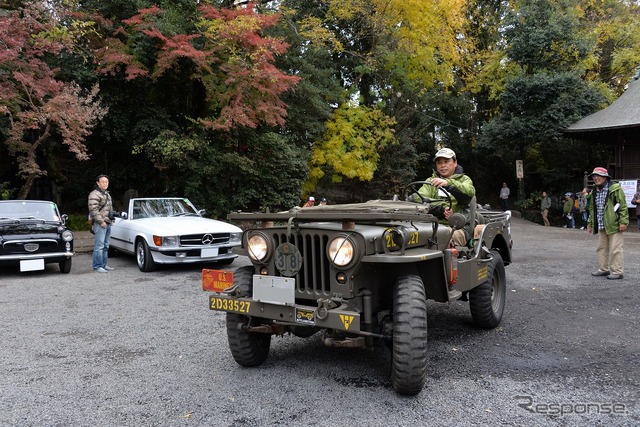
x=32 y=234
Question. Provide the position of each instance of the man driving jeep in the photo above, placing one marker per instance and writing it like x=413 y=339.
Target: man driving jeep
x=450 y=177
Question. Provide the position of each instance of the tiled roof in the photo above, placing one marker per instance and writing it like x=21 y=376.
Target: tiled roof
x=622 y=113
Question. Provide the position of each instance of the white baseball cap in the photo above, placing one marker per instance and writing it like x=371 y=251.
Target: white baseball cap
x=447 y=153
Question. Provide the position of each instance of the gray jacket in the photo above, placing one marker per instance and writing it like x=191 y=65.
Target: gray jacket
x=99 y=206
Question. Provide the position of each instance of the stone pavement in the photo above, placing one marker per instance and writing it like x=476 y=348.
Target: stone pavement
x=82 y=241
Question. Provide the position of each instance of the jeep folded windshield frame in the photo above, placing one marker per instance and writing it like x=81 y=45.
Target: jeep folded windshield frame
x=361 y=212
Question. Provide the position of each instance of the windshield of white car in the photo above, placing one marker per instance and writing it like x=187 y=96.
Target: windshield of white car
x=154 y=208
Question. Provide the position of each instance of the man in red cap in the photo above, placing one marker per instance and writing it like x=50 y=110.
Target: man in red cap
x=310 y=202
x=608 y=218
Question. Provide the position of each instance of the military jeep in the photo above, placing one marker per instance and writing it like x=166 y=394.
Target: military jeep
x=361 y=274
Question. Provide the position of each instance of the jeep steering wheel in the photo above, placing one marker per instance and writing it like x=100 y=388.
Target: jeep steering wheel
x=412 y=189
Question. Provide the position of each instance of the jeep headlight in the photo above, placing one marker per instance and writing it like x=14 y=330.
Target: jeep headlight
x=258 y=247
x=341 y=251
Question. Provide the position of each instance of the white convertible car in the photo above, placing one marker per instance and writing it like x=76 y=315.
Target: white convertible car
x=170 y=230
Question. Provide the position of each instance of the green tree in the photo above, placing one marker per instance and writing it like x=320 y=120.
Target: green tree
x=615 y=28
x=546 y=96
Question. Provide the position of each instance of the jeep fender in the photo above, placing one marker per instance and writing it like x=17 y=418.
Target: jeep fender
x=427 y=263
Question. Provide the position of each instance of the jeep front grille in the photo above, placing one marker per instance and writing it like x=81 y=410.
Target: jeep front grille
x=313 y=277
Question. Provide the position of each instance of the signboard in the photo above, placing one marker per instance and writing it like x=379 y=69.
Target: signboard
x=629 y=187
x=519 y=169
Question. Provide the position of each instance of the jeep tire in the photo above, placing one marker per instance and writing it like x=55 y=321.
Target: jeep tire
x=247 y=348
x=409 y=348
x=486 y=301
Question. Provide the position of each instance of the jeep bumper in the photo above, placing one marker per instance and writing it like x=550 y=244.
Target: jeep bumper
x=289 y=314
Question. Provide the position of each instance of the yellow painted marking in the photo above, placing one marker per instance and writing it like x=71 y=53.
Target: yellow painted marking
x=346 y=320
x=483 y=273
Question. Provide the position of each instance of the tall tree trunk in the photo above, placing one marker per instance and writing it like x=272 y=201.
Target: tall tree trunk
x=26 y=187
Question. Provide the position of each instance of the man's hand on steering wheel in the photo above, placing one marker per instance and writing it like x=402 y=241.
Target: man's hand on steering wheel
x=413 y=188
x=439 y=182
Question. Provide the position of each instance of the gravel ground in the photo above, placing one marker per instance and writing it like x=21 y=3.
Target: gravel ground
x=129 y=348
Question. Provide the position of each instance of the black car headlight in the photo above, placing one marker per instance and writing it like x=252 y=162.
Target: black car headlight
x=67 y=235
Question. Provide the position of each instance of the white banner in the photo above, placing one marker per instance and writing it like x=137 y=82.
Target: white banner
x=629 y=187
x=519 y=169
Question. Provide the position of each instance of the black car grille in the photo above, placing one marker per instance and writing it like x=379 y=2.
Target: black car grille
x=44 y=246
x=197 y=239
x=313 y=277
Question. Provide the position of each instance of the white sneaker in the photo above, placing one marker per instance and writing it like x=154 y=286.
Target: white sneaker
x=100 y=270
x=106 y=267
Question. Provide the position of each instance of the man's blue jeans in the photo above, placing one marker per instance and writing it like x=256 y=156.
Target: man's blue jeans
x=101 y=245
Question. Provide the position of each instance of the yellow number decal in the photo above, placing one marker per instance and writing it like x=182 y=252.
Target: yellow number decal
x=230 y=305
x=413 y=238
x=390 y=242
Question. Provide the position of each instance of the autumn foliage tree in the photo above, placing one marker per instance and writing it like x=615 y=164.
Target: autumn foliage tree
x=231 y=58
x=205 y=84
x=38 y=107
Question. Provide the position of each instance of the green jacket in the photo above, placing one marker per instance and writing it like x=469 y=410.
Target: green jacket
x=461 y=189
x=612 y=219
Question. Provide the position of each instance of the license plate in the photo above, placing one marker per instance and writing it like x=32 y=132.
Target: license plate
x=32 y=264
x=216 y=280
x=209 y=252
x=274 y=289
x=234 y=306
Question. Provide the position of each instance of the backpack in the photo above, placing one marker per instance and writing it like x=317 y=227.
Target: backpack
x=583 y=203
x=576 y=205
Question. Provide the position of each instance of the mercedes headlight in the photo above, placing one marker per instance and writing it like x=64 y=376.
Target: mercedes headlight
x=166 y=240
x=341 y=251
x=235 y=238
x=258 y=247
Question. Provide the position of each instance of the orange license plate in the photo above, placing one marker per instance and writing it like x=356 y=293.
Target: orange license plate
x=216 y=280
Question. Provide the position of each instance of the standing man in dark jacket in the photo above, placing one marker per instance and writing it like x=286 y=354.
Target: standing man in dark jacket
x=100 y=206
x=608 y=218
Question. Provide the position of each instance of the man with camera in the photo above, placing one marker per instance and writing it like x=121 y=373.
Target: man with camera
x=102 y=216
